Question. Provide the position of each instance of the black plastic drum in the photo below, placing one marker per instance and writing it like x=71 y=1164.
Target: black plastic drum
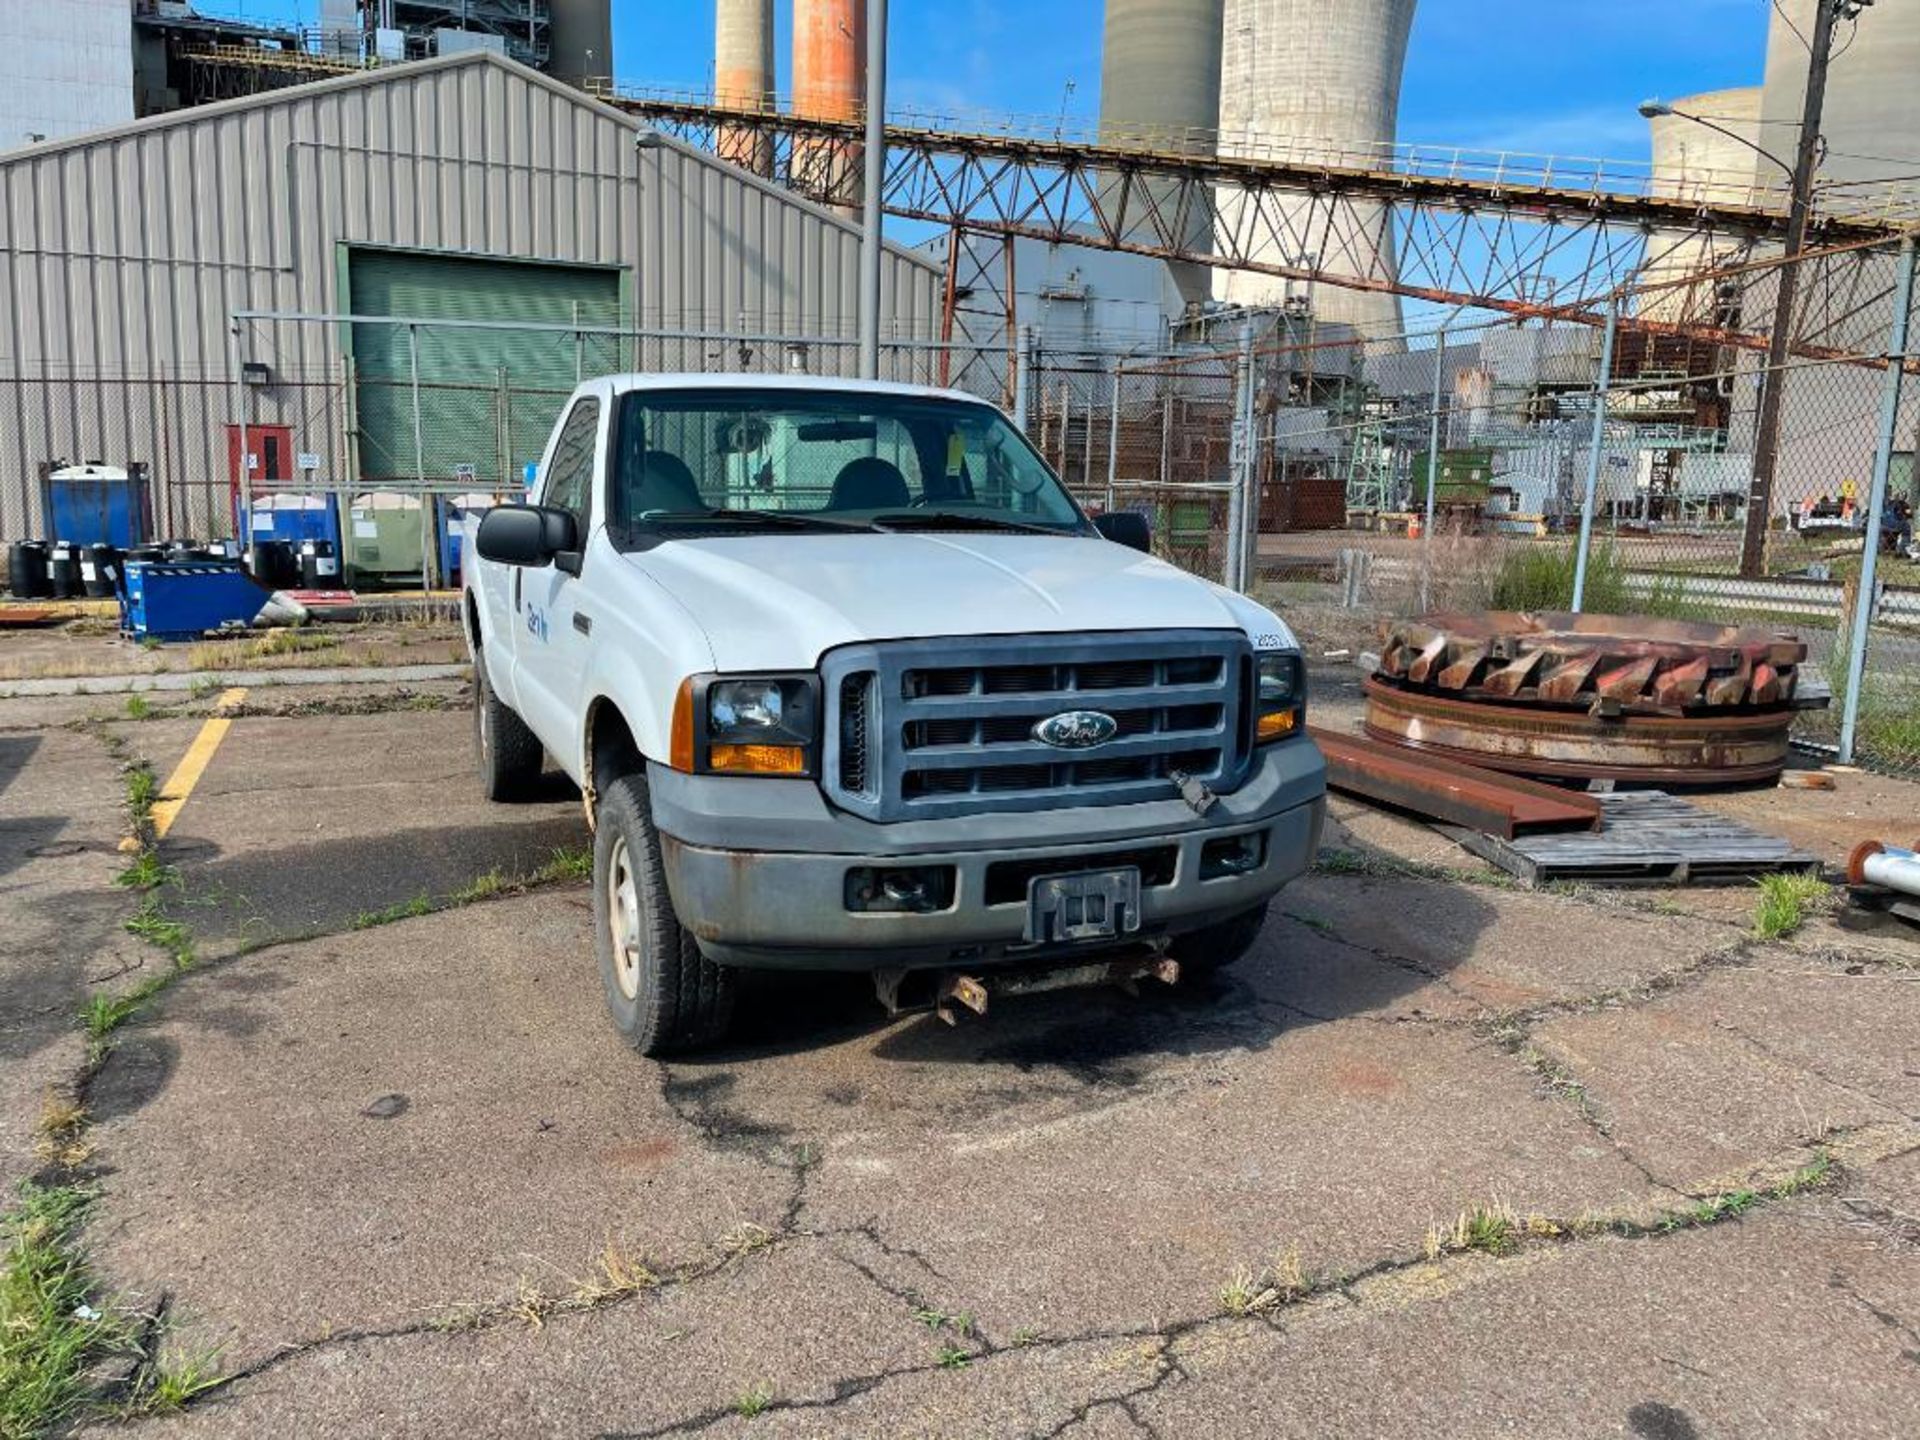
x=27 y=570
x=100 y=570
x=63 y=571
x=319 y=566
x=274 y=564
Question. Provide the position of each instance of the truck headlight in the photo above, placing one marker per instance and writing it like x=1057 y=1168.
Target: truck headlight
x=1280 y=701
x=747 y=725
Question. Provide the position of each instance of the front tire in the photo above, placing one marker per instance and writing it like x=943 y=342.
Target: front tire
x=509 y=755
x=663 y=995
x=1201 y=952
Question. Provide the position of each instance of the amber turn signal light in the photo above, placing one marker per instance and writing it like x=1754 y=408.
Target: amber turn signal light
x=1277 y=725
x=680 y=744
x=757 y=760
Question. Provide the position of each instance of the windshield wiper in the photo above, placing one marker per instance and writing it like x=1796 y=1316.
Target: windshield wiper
x=789 y=519
x=961 y=520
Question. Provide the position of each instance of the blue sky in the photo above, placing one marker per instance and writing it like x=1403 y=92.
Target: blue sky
x=1550 y=76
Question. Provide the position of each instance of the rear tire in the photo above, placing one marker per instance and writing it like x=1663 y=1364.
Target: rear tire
x=663 y=995
x=1201 y=952
x=509 y=756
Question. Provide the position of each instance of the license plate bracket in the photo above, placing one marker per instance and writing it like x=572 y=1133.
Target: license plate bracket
x=1089 y=905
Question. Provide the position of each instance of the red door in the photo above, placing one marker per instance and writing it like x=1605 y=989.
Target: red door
x=267 y=455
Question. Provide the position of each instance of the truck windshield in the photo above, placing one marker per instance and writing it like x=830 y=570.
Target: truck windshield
x=825 y=461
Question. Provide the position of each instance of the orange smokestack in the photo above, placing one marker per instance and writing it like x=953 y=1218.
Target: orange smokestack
x=829 y=58
x=829 y=83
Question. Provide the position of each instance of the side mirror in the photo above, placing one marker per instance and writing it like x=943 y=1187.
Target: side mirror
x=1123 y=527
x=526 y=534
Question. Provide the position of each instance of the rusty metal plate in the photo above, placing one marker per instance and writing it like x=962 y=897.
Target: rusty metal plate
x=1470 y=795
x=1609 y=664
x=1709 y=748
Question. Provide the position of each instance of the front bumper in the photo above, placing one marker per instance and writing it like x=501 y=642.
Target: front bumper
x=782 y=903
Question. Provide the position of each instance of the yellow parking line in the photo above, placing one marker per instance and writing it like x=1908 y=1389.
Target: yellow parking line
x=194 y=763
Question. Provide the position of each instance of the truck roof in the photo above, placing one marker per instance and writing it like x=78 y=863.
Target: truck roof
x=741 y=380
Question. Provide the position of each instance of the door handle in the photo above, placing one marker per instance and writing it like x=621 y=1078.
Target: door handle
x=583 y=623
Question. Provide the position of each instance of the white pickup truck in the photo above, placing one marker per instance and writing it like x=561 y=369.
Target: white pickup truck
x=848 y=681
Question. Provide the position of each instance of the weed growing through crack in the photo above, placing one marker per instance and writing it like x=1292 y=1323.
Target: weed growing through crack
x=421 y=904
x=51 y=1335
x=1024 y=1336
x=568 y=862
x=1732 y=1204
x=166 y=1386
x=146 y=872
x=1786 y=901
x=60 y=1138
x=744 y=1240
x=138 y=707
x=143 y=788
x=961 y=1324
x=754 y=1401
x=481 y=887
x=152 y=924
x=1287 y=1283
x=1239 y=1294
x=953 y=1357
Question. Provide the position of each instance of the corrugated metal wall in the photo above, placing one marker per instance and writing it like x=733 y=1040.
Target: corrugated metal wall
x=122 y=255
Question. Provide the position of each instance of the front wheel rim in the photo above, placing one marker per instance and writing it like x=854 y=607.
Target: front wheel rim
x=623 y=915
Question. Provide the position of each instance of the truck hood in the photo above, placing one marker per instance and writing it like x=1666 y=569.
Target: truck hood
x=778 y=602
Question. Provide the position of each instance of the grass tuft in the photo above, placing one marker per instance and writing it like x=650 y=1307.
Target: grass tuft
x=421 y=904
x=481 y=887
x=568 y=862
x=152 y=924
x=953 y=1357
x=164 y=1387
x=138 y=707
x=753 y=1401
x=146 y=872
x=1785 y=903
x=143 y=788
x=61 y=1136
x=1540 y=577
x=51 y=1337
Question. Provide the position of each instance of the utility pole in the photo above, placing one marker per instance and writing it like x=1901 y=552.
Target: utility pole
x=871 y=249
x=1766 y=442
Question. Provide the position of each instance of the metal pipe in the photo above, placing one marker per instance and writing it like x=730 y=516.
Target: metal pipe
x=1242 y=443
x=1887 y=866
x=1023 y=377
x=1863 y=602
x=1593 y=452
x=870 y=197
x=420 y=463
x=1433 y=470
x=1113 y=438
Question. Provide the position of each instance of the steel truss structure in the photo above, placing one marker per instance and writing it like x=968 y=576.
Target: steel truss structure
x=1512 y=235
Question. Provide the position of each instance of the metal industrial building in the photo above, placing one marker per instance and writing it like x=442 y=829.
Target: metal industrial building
x=466 y=187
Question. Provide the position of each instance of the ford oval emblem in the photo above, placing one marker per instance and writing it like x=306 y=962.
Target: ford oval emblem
x=1076 y=730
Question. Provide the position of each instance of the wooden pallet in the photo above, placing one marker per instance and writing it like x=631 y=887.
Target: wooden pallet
x=1646 y=837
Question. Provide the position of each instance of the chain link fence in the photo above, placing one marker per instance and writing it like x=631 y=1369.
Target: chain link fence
x=1344 y=480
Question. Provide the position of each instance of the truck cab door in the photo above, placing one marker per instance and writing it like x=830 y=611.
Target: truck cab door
x=550 y=645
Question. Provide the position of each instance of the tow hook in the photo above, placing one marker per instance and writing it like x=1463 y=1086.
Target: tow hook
x=948 y=989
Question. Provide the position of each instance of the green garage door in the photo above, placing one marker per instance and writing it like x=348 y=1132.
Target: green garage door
x=488 y=397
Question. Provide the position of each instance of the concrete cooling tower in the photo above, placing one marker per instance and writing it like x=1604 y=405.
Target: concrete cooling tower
x=1696 y=163
x=1315 y=80
x=1160 y=90
x=1872 y=118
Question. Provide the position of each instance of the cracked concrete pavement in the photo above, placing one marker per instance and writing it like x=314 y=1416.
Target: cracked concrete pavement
x=404 y=1179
